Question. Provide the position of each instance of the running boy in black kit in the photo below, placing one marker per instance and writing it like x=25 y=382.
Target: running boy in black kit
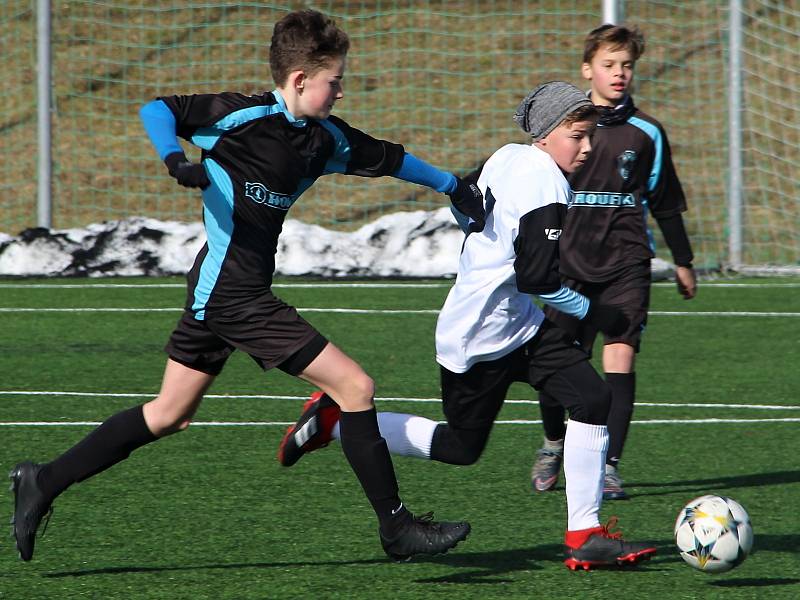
x=606 y=246
x=260 y=153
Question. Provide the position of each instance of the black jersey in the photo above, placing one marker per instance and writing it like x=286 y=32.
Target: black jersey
x=628 y=175
x=259 y=160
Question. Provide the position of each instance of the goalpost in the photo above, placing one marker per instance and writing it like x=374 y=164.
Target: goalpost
x=765 y=137
x=751 y=101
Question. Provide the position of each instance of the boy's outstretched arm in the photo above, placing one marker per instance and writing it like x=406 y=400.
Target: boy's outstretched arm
x=160 y=125
x=465 y=197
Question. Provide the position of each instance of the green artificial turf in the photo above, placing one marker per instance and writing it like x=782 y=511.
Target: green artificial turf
x=209 y=513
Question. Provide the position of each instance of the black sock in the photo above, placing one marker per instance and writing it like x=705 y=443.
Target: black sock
x=623 y=391
x=552 y=417
x=107 y=445
x=368 y=455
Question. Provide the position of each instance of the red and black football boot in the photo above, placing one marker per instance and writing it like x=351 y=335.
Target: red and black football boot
x=312 y=431
x=599 y=547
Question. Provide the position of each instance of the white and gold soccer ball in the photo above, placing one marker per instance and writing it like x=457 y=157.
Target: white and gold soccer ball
x=713 y=533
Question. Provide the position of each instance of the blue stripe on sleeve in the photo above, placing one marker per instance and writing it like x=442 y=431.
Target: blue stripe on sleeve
x=418 y=171
x=206 y=137
x=658 y=142
x=567 y=301
x=341 y=153
x=159 y=123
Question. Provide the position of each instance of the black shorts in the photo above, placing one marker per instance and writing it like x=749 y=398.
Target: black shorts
x=472 y=400
x=629 y=291
x=266 y=328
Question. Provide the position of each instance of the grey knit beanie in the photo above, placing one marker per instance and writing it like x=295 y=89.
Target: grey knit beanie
x=545 y=107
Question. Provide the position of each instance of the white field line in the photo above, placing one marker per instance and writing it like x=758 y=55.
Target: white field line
x=67 y=286
x=677 y=421
x=722 y=284
x=287 y=423
x=390 y=399
x=377 y=399
x=138 y=310
x=410 y=285
x=371 y=311
x=715 y=313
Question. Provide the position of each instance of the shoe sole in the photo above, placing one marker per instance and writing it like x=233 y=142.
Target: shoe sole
x=626 y=560
x=290 y=431
x=405 y=558
x=282 y=446
x=14 y=476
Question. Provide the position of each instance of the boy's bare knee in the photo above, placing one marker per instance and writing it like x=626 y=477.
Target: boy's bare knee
x=162 y=419
x=358 y=395
x=161 y=427
x=365 y=388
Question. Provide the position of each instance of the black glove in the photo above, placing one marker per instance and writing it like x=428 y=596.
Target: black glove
x=468 y=200
x=608 y=319
x=188 y=174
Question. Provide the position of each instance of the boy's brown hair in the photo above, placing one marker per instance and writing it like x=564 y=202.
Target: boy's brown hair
x=617 y=37
x=584 y=113
x=305 y=40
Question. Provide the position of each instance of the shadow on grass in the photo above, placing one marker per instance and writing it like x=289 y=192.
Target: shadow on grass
x=475 y=567
x=492 y=567
x=753 y=582
x=715 y=483
x=166 y=569
x=776 y=542
x=789 y=544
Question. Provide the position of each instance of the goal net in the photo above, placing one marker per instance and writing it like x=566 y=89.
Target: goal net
x=442 y=78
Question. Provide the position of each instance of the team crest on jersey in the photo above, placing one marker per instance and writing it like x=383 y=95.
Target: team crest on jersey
x=552 y=234
x=259 y=193
x=625 y=162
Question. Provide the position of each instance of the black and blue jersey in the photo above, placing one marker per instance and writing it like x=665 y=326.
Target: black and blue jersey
x=628 y=176
x=259 y=160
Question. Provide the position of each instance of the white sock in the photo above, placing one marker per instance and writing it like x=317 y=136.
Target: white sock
x=585 y=448
x=406 y=435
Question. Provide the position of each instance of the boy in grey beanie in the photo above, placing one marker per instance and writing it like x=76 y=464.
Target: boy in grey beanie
x=544 y=108
x=490 y=332
x=543 y=111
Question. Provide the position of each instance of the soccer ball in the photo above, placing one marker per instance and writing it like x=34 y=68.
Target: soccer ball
x=713 y=533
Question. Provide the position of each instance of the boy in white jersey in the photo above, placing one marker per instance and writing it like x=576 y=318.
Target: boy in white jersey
x=490 y=332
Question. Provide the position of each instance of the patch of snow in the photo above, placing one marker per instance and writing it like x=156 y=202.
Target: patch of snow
x=406 y=244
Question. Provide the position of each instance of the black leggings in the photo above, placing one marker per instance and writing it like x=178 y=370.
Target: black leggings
x=461 y=441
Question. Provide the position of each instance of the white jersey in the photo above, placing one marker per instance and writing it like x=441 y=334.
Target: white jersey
x=489 y=311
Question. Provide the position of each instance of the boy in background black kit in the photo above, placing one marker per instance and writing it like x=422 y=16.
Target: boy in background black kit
x=606 y=247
